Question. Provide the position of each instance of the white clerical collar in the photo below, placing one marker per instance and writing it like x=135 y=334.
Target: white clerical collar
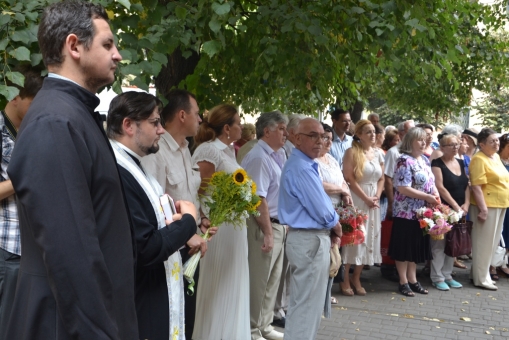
x=129 y=151
x=58 y=76
x=218 y=144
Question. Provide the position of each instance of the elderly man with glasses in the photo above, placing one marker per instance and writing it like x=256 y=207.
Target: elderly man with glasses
x=305 y=208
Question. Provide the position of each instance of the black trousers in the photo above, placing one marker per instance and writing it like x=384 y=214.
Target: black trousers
x=9 y=268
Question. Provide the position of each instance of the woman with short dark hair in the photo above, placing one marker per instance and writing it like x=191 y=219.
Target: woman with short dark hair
x=415 y=188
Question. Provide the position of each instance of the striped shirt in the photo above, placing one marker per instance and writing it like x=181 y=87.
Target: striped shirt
x=9 y=223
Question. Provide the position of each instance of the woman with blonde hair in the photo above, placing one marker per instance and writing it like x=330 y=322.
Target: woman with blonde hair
x=363 y=168
x=222 y=302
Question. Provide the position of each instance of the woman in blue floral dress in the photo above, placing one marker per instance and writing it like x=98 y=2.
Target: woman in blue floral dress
x=415 y=188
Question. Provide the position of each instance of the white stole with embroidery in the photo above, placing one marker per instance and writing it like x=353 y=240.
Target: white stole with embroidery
x=172 y=266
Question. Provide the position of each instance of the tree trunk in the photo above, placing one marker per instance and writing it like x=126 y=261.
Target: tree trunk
x=356 y=111
x=178 y=69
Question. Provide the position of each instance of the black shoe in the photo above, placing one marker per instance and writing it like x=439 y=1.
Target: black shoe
x=279 y=322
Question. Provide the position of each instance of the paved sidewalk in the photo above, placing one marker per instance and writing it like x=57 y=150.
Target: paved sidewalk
x=466 y=313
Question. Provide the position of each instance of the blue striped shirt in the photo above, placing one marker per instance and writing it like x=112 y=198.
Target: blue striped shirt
x=303 y=202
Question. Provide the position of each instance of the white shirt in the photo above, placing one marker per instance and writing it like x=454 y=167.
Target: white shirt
x=391 y=158
x=173 y=169
x=263 y=168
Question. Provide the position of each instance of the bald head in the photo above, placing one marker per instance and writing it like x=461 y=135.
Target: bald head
x=309 y=137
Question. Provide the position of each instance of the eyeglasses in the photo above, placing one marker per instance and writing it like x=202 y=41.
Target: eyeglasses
x=456 y=146
x=154 y=121
x=315 y=137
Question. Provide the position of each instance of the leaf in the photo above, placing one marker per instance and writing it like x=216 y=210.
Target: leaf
x=4 y=19
x=3 y=44
x=211 y=47
x=16 y=78
x=357 y=10
x=126 y=56
x=214 y=25
x=315 y=30
x=22 y=36
x=21 y=54
x=221 y=9
x=181 y=12
x=379 y=32
x=125 y=3
x=464 y=318
x=19 y=17
x=161 y=58
x=133 y=69
x=9 y=92
x=412 y=22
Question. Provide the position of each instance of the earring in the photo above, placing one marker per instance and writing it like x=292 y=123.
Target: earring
x=228 y=136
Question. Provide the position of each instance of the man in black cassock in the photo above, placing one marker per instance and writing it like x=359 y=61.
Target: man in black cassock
x=76 y=278
x=134 y=127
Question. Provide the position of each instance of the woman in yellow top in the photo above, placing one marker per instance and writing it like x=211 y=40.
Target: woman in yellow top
x=490 y=197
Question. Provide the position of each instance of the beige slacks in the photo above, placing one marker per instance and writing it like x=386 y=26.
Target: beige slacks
x=264 y=276
x=485 y=238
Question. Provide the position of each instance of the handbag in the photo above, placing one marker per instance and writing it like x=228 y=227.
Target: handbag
x=458 y=241
x=499 y=258
x=335 y=261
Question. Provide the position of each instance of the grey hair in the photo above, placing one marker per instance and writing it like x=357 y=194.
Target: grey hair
x=401 y=126
x=294 y=120
x=390 y=127
x=373 y=115
x=270 y=120
x=411 y=136
x=452 y=129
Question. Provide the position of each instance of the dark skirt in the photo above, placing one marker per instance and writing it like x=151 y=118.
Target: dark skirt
x=408 y=243
x=505 y=231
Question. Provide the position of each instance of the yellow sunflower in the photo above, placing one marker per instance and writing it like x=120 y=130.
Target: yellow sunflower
x=253 y=187
x=257 y=204
x=215 y=174
x=239 y=176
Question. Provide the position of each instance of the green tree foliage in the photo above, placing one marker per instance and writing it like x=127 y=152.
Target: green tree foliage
x=493 y=110
x=301 y=56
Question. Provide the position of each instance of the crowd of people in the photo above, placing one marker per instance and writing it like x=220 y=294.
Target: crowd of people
x=87 y=251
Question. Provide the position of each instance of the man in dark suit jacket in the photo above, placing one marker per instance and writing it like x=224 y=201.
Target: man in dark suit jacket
x=76 y=278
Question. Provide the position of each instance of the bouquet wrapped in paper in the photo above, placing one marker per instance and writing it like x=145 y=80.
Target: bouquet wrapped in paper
x=230 y=198
x=437 y=221
x=352 y=223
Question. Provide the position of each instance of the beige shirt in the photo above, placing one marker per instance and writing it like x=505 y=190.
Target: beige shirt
x=173 y=169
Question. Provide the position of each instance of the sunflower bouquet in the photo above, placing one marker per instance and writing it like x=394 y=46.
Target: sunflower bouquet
x=230 y=198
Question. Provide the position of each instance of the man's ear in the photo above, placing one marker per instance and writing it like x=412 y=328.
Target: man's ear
x=72 y=47
x=181 y=115
x=128 y=127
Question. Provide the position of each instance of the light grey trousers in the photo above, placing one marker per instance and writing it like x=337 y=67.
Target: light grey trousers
x=264 y=276
x=441 y=265
x=308 y=254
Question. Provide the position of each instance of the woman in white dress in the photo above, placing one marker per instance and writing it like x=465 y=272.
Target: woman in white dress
x=363 y=168
x=222 y=302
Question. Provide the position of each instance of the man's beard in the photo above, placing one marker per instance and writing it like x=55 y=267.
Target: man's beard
x=147 y=150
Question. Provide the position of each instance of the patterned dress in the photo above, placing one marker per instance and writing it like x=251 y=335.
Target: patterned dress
x=407 y=240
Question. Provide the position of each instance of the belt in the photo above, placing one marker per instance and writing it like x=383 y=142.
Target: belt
x=274 y=220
